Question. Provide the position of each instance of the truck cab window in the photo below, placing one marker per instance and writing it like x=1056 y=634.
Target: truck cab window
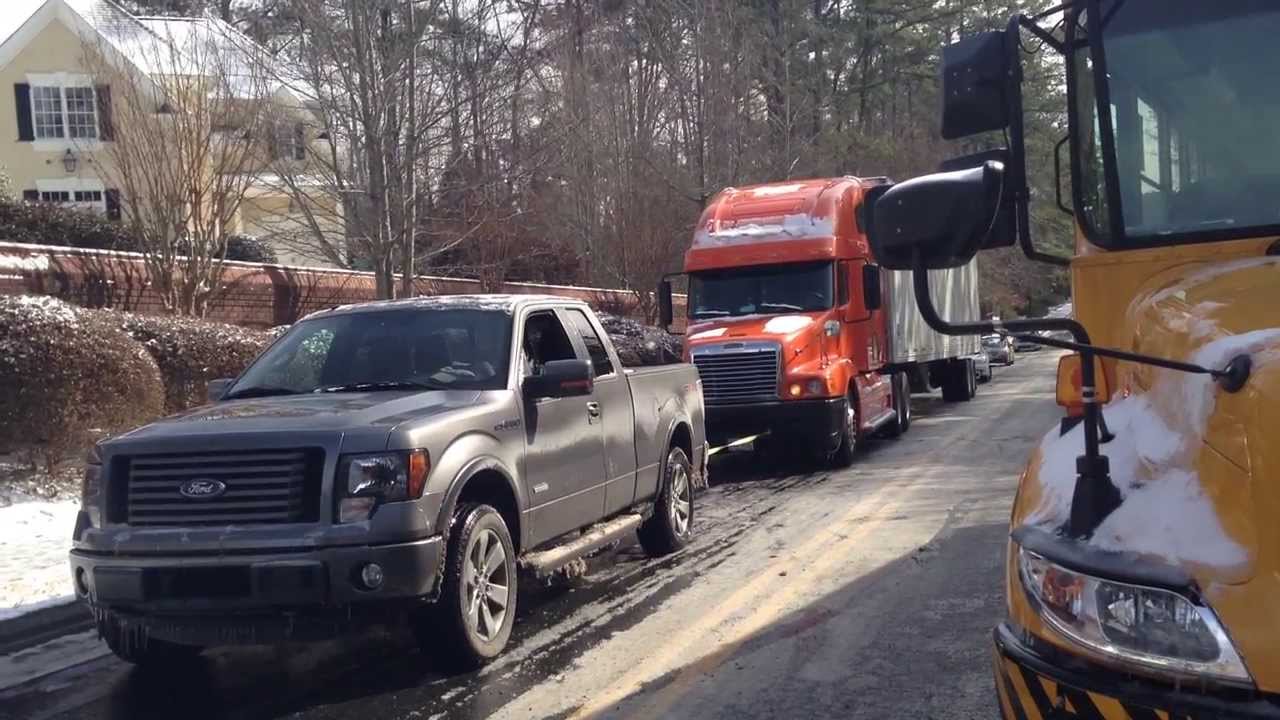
x=595 y=346
x=544 y=340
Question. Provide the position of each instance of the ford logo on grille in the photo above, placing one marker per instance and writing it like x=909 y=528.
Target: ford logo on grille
x=202 y=488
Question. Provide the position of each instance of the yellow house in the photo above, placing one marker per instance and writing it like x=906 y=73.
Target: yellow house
x=59 y=111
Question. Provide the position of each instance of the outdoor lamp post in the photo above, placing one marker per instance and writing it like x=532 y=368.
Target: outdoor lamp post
x=69 y=161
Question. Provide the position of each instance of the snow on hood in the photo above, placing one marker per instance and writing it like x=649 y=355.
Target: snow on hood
x=1165 y=511
x=800 y=225
x=787 y=324
x=712 y=333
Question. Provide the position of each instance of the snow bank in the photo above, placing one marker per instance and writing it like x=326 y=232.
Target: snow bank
x=1165 y=511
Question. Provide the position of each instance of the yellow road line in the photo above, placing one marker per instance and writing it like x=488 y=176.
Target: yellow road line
x=764 y=593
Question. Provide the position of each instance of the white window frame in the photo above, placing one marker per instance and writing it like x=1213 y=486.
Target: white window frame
x=71 y=186
x=62 y=81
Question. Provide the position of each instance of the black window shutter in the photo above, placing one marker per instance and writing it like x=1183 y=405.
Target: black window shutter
x=22 y=100
x=113 y=204
x=31 y=195
x=106 y=122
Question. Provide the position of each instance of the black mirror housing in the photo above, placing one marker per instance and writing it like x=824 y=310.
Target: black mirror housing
x=666 y=313
x=945 y=217
x=872 y=292
x=975 y=75
x=1003 y=230
x=560 y=378
x=215 y=389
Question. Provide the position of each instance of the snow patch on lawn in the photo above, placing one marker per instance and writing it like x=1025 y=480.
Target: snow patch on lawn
x=1165 y=511
x=33 y=567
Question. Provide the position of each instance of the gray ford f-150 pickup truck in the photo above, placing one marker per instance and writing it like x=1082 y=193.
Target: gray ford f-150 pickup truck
x=393 y=459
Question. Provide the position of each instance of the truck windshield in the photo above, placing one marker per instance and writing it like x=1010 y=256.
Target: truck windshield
x=1197 y=155
x=763 y=290
x=385 y=350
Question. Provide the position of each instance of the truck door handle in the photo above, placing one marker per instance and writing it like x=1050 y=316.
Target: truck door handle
x=593 y=409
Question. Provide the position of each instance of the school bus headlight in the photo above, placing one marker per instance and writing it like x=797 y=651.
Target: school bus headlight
x=1162 y=630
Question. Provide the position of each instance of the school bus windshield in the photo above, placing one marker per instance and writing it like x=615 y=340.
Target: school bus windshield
x=1195 y=114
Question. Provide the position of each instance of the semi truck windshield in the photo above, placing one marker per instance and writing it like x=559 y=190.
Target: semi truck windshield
x=762 y=290
x=1194 y=115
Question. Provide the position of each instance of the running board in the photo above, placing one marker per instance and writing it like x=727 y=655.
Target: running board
x=546 y=562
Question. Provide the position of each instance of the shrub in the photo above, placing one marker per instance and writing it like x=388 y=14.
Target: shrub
x=49 y=224
x=247 y=248
x=67 y=378
x=191 y=352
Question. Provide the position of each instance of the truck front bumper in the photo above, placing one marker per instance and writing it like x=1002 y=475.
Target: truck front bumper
x=1040 y=683
x=188 y=597
x=820 y=419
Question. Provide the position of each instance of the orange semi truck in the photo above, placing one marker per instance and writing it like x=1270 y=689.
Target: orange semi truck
x=796 y=330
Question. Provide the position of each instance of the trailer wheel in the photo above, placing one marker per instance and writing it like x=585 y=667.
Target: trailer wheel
x=901 y=405
x=958 y=384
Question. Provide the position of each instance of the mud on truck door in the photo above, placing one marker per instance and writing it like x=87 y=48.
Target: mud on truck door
x=564 y=439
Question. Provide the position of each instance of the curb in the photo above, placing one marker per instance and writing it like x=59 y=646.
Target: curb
x=44 y=624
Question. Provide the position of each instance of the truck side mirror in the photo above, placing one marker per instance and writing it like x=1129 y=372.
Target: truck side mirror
x=872 y=297
x=975 y=73
x=666 y=315
x=560 y=378
x=944 y=218
x=217 y=388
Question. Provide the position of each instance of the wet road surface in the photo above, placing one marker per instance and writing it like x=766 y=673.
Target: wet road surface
x=864 y=593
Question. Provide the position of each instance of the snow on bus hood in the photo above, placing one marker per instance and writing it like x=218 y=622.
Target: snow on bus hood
x=1165 y=510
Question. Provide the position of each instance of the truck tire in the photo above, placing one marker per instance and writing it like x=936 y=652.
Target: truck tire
x=144 y=652
x=901 y=405
x=471 y=622
x=844 y=454
x=670 y=526
x=958 y=384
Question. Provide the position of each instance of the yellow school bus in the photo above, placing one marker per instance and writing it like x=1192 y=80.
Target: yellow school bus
x=1143 y=563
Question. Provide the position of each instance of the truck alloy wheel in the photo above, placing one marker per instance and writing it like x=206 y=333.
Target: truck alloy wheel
x=471 y=622
x=670 y=526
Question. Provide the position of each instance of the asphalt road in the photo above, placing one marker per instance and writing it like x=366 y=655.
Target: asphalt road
x=865 y=593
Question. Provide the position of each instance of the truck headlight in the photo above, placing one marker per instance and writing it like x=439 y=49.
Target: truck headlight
x=380 y=477
x=1159 y=629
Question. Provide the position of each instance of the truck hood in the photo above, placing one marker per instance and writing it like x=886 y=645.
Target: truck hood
x=1198 y=467
x=323 y=412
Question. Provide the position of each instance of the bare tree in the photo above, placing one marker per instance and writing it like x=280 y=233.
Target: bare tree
x=187 y=110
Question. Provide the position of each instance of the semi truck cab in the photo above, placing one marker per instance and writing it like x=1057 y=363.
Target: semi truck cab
x=793 y=325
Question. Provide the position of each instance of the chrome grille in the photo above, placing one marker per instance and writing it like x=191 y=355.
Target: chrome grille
x=738 y=373
x=261 y=486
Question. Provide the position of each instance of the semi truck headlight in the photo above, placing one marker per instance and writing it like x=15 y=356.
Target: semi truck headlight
x=1159 y=629
x=380 y=477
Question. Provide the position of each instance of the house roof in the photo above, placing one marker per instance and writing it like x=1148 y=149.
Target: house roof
x=153 y=45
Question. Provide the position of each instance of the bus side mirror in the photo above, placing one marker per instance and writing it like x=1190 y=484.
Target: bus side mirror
x=943 y=218
x=666 y=315
x=975 y=73
x=872 y=294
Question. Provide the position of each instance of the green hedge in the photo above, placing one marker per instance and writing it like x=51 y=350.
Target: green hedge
x=49 y=224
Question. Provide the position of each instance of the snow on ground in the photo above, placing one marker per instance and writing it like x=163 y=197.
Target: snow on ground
x=36 y=536
x=1165 y=511
x=50 y=657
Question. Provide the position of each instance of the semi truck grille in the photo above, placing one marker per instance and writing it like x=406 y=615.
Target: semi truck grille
x=249 y=487
x=738 y=376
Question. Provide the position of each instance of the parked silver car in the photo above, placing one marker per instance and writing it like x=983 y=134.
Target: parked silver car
x=998 y=349
x=981 y=367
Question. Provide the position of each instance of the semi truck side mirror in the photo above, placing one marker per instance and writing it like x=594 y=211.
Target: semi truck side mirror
x=560 y=378
x=975 y=72
x=872 y=297
x=666 y=315
x=941 y=220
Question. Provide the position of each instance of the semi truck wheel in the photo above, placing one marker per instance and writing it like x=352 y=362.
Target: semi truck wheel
x=958 y=384
x=471 y=622
x=671 y=525
x=843 y=455
x=901 y=404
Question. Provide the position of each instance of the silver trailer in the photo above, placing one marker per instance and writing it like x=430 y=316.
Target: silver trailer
x=930 y=358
